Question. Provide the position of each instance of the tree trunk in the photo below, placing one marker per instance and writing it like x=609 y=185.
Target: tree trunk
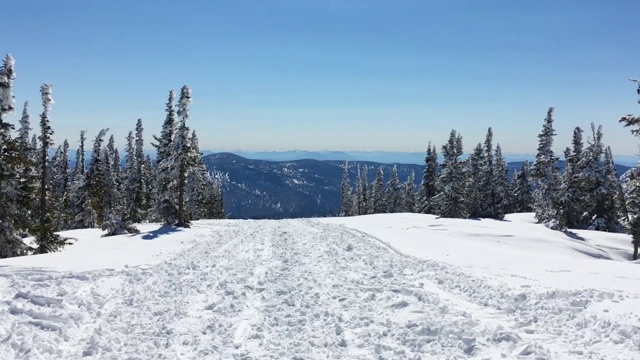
x=635 y=250
x=181 y=190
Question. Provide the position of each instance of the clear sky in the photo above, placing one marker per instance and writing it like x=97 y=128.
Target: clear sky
x=331 y=74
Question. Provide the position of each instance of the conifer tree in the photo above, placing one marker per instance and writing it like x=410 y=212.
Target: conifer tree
x=10 y=158
x=379 y=204
x=96 y=181
x=522 y=197
x=394 y=192
x=165 y=205
x=28 y=182
x=363 y=192
x=474 y=174
x=409 y=197
x=573 y=190
x=45 y=237
x=501 y=184
x=546 y=175
x=450 y=200
x=185 y=157
x=346 y=195
x=610 y=206
x=429 y=178
x=487 y=188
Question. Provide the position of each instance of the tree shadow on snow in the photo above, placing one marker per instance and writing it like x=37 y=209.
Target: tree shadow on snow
x=573 y=235
x=164 y=230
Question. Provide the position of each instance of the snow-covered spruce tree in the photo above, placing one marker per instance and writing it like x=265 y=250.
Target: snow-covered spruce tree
x=60 y=186
x=202 y=191
x=46 y=239
x=610 y=210
x=572 y=192
x=521 y=194
x=143 y=186
x=185 y=157
x=133 y=212
x=346 y=193
x=10 y=160
x=165 y=206
x=474 y=174
x=394 y=192
x=429 y=178
x=450 y=200
x=631 y=189
x=378 y=194
x=357 y=193
x=488 y=192
x=501 y=184
x=409 y=198
x=83 y=215
x=363 y=191
x=28 y=182
x=95 y=182
x=546 y=175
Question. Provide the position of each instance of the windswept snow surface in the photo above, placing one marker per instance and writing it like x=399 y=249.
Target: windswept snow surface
x=398 y=286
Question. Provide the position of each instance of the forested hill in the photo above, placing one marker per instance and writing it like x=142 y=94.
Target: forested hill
x=261 y=189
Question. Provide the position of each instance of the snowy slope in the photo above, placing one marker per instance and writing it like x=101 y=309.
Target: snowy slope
x=397 y=286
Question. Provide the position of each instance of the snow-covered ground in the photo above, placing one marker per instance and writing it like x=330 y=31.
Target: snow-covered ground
x=396 y=286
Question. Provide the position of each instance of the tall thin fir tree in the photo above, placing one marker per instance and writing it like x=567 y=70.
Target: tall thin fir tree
x=394 y=192
x=364 y=191
x=94 y=188
x=521 y=195
x=409 y=198
x=474 y=174
x=450 y=200
x=501 y=184
x=165 y=206
x=611 y=207
x=28 y=182
x=379 y=205
x=488 y=192
x=546 y=175
x=429 y=179
x=45 y=238
x=357 y=194
x=346 y=193
x=185 y=156
x=140 y=163
x=10 y=242
x=631 y=185
x=573 y=191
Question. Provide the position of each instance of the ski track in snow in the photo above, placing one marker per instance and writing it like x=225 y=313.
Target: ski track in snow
x=298 y=289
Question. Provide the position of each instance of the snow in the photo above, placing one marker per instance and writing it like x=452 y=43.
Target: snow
x=393 y=286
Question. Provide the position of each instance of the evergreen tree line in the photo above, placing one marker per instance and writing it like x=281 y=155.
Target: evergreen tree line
x=587 y=195
x=42 y=194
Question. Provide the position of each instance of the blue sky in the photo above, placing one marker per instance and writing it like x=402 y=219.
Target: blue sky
x=332 y=75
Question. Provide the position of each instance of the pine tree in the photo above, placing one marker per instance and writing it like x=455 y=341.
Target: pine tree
x=363 y=192
x=521 y=195
x=10 y=161
x=96 y=180
x=610 y=206
x=501 y=184
x=409 y=197
x=185 y=157
x=394 y=192
x=450 y=200
x=83 y=215
x=546 y=175
x=45 y=237
x=474 y=174
x=429 y=178
x=28 y=182
x=165 y=205
x=346 y=195
x=573 y=193
x=379 y=204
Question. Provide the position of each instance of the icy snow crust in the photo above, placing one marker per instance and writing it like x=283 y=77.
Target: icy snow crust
x=372 y=287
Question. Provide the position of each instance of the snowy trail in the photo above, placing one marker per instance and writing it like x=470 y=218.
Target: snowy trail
x=296 y=289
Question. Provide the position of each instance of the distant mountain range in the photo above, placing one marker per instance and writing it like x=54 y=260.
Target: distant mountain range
x=261 y=189
x=384 y=157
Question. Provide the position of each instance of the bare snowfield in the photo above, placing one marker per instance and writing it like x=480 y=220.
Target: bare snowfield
x=393 y=286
